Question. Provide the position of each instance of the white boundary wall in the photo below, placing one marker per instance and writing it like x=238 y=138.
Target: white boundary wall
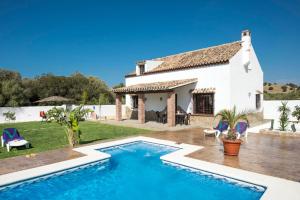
x=271 y=110
x=106 y=111
x=24 y=114
x=32 y=113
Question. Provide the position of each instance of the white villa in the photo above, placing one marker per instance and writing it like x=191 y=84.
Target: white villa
x=200 y=82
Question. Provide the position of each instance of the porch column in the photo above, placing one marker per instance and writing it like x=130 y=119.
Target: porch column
x=118 y=107
x=171 y=108
x=141 y=108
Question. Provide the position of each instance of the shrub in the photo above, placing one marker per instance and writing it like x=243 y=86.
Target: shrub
x=269 y=84
x=271 y=88
x=284 y=88
x=296 y=113
x=284 y=115
x=9 y=115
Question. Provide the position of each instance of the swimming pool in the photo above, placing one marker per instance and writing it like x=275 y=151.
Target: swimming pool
x=134 y=171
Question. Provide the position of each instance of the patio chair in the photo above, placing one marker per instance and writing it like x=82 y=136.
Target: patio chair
x=12 y=138
x=241 y=129
x=218 y=130
x=43 y=115
x=164 y=118
x=187 y=120
x=158 y=117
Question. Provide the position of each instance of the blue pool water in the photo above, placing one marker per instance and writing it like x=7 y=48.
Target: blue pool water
x=134 y=171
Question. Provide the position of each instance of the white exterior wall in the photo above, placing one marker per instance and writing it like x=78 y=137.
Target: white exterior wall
x=216 y=76
x=154 y=103
x=245 y=83
x=185 y=97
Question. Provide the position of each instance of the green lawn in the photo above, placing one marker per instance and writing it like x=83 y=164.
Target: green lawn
x=46 y=136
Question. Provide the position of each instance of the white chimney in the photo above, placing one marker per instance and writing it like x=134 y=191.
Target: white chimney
x=246 y=47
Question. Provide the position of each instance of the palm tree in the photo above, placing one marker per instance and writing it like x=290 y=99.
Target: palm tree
x=232 y=117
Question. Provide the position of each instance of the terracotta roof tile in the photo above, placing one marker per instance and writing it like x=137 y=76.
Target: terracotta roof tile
x=204 y=90
x=155 y=86
x=202 y=57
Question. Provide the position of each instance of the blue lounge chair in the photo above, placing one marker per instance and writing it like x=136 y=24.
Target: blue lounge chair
x=12 y=138
x=241 y=129
x=219 y=129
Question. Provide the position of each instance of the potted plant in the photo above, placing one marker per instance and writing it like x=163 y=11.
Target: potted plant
x=230 y=142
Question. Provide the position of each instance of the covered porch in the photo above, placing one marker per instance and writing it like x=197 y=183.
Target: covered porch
x=140 y=92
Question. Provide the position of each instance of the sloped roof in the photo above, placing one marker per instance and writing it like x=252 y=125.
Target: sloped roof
x=155 y=86
x=201 y=57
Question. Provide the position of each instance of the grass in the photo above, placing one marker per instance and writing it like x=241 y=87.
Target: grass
x=48 y=136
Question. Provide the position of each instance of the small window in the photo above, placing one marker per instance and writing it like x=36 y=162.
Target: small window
x=135 y=101
x=204 y=103
x=257 y=101
x=142 y=69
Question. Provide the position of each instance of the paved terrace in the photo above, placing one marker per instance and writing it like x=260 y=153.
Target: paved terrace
x=263 y=153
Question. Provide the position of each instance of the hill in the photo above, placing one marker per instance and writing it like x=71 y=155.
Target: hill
x=274 y=91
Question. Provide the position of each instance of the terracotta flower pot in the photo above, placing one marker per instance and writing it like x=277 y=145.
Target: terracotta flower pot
x=231 y=147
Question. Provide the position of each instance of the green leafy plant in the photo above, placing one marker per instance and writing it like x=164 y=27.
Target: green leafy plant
x=9 y=115
x=69 y=120
x=296 y=113
x=284 y=115
x=232 y=117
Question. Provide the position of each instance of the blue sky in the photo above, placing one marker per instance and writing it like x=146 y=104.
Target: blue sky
x=105 y=39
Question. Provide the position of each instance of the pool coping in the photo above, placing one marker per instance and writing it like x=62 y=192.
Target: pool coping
x=276 y=188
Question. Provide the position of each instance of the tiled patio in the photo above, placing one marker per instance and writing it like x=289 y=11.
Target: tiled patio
x=262 y=153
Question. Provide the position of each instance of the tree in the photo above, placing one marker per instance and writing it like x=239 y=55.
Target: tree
x=119 y=86
x=292 y=85
x=284 y=88
x=284 y=115
x=69 y=120
x=15 y=91
x=232 y=117
x=84 y=97
x=11 y=90
x=103 y=99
